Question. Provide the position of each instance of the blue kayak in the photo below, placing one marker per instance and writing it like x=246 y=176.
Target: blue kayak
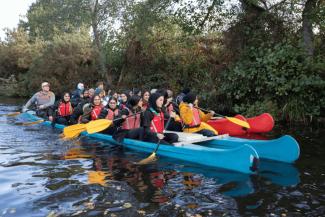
x=284 y=149
x=246 y=156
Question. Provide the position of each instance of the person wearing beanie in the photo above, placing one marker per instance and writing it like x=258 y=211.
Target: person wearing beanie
x=193 y=118
x=153 y=122
x=180 y=96
x=42 y=100
x=130 y=127
x=77 y=93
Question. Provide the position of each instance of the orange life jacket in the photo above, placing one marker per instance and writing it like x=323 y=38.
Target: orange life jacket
x=196 y=122
x=95 y=112
x=131 y=122
x=65 y=109
x=112 y=114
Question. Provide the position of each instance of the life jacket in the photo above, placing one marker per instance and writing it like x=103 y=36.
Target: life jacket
x=131 y=122
x=95 y=112
x=65 y=109
x=112 y=114
x=196 y=122
x=157 y=123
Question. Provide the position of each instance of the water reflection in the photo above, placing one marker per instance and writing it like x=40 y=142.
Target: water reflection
x=108 y=163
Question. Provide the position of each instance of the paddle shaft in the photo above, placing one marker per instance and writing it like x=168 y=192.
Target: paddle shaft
x=205 y=110
x=127 y=116
x=158 y=144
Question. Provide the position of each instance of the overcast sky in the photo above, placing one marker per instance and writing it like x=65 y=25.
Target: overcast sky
x=10 y=12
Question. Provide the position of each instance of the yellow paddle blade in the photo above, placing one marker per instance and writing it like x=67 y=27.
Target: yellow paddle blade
x=73 y=130
x=11 y=114
x=98 y=125
x=148 y=160
x=239 y=122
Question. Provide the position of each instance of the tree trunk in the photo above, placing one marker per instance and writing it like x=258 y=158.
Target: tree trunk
x=307 y=26
x=96 y=32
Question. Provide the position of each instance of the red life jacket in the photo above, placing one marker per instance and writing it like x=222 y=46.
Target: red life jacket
x=196 y=119
x=65 y=109
x=112 y=114
x=157 y=123
x=131 y=122
x=95 y=112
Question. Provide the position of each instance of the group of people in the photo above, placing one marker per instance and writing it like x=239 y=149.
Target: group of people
x=142 y=115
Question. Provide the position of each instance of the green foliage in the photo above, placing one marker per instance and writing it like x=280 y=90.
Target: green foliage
x=18 y=53
x=47 y=18
x=259 y=107
x=281 y=74
x=239 y=56
x=70 y=58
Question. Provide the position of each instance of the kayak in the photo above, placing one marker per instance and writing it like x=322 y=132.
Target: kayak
x=284 y=149
x=258 y=124
x=261 y=124
x=219 y=152
x=246 y=156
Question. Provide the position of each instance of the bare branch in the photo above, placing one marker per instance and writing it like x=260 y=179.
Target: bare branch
x=208 y=14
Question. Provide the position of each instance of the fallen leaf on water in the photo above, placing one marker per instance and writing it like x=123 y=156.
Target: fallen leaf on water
x=52 y=214
x=142 y=212
x=77 y=213
x=89 y=205
x=127 y=205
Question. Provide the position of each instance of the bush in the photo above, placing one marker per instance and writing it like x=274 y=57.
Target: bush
x=69 y=59
x=282 y=75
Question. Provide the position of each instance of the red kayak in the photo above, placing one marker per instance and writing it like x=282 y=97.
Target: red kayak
x=259 y=124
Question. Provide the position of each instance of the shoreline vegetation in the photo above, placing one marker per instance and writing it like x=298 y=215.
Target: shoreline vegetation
x=246 y=57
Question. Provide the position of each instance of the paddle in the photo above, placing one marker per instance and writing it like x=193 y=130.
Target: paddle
x=231 y=119
x=98 y=125
x=73 y=131
x=10 y=114
x=152 y=157
x=101 y=124
x=29 y=123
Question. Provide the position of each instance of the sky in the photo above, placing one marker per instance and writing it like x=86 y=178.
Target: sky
x=10 y=13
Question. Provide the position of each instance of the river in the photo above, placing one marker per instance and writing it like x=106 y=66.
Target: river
x=43 y=175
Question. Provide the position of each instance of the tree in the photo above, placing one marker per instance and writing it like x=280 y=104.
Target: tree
x=47 y=18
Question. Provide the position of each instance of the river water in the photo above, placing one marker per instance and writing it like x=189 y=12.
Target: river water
x=42 y=175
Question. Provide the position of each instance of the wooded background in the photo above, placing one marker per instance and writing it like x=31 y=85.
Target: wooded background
x=246 y=56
